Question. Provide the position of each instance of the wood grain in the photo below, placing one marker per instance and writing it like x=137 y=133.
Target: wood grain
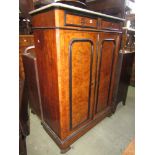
x=105 y=71
x=46 y=54
x=81 y=63
x=68 y=68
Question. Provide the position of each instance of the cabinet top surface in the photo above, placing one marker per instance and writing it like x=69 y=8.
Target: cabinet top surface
x=65 y=6
x=129 y=29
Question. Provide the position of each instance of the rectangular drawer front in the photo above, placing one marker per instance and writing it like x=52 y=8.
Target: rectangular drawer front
x=80 y=21
x=90 y=22
x=110 y=25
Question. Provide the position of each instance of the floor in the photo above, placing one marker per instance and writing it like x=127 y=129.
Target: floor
x=110 y=137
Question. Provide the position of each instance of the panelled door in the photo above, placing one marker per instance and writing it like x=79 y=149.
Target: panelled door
x=107 y=57
x=81 y=47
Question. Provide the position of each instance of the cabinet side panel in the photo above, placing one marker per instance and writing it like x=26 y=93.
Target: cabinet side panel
x=42 y=19
x=46 y=54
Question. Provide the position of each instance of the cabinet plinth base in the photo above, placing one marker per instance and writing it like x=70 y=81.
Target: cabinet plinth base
x=65 y=150
x=64 y=145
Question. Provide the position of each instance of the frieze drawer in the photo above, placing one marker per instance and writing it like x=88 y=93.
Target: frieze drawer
x=80 y=21
x=110 y=25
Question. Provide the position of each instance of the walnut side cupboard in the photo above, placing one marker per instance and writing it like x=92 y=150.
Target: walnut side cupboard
x=77 y=52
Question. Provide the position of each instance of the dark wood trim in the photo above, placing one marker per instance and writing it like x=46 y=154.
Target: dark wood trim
x=114 y=41
x=96 y=71
x=70 y=78
x=86 y=30
x=98 y=81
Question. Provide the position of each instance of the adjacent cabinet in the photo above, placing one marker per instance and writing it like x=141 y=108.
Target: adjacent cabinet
x=77 y=54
